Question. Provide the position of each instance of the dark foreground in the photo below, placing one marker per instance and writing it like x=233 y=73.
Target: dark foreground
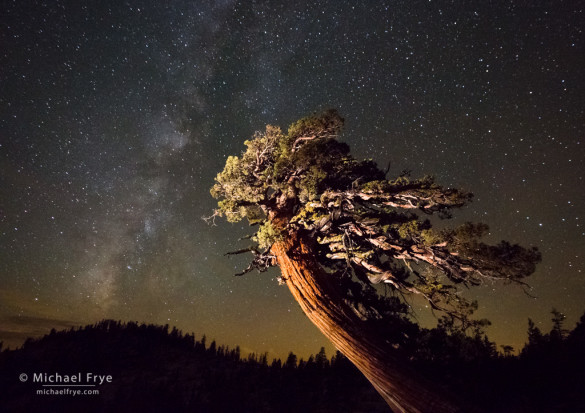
x=150 y=368
x=153 y=369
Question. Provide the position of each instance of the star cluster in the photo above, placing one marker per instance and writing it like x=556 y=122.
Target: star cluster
x=115 y=117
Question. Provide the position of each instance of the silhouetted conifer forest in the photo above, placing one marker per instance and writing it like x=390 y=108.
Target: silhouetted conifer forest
x=159 y=369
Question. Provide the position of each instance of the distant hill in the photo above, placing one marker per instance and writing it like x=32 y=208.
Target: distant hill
x=158 y=369
x=153 y=369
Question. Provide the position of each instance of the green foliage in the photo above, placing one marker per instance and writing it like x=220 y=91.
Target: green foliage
x=327 y=123
x=237 y=185
x=308 y=216
x=430 y=237
x=466 y=233
x=266 y=235
x=420 y=231
x=295 y=165
x=378 y=186
x=231 y=210
x=400 y=181
x=310 y=185
x=409 y=229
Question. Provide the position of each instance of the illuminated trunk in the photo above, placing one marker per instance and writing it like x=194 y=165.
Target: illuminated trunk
x=319 y=297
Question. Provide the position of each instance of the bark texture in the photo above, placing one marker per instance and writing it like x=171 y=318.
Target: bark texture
x=400 y=386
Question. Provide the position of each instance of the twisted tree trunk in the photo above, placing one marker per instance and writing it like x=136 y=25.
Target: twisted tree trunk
x=319 y=297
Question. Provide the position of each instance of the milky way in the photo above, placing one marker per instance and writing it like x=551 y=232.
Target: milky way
x=116 y=116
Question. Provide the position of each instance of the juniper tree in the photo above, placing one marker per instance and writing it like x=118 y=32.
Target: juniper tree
x=336 y=226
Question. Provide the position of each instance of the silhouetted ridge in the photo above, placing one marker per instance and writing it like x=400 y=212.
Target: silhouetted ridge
x=156 y=368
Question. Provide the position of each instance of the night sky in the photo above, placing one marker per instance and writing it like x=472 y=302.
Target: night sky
x=116 y=116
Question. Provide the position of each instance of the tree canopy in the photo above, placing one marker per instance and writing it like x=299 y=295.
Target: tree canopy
x=367 y=229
